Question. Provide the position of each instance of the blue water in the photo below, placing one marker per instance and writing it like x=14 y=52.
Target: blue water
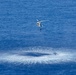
x=18 y=31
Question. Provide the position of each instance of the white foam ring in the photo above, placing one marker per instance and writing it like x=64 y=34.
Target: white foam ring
x=38 y=55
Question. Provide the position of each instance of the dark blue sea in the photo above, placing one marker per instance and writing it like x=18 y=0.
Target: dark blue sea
x=27 y=49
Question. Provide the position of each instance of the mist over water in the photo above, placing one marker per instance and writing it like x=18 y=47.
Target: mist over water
x=34 y=55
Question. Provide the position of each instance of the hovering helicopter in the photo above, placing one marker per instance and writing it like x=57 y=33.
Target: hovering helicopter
x=38 y=23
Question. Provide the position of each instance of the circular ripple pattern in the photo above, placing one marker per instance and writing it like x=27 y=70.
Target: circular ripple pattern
x=38 y=55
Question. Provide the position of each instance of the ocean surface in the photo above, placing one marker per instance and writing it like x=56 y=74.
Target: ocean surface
x=27 y=50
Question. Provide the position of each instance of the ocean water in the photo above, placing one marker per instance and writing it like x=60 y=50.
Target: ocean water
x=27 y=50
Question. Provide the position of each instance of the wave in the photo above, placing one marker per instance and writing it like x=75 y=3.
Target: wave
x=38 y=55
